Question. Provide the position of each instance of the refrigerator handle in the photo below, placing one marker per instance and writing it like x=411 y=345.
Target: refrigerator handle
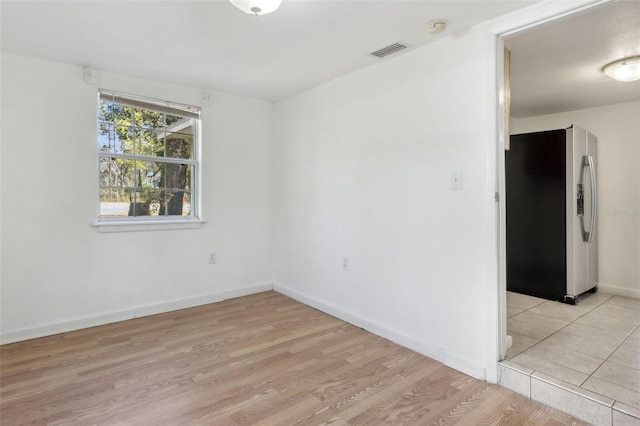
x=588 y=236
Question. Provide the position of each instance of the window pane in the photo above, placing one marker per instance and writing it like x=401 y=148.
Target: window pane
x=141 y=203
x=106 y=111
x=149 y=174
x=147 y=119
x=137 y=140
x=110 y=173
x=117 y=172
x=178 y=203
x=186 y=206
x=149 y=202
x=149 y=142
x=179 y=145
x=113 y=138
x=159 y=171
x=177 y=176
x=113 y=202
x=106 y=137
x=104 y=167
x=123 y=139
x=123 y=172
x=171 y=120
x=141 y=207
x=119 y=115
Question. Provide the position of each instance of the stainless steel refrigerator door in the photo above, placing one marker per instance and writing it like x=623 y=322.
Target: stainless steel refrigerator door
x=592 y=245
x=577 y=254
x=581 y=212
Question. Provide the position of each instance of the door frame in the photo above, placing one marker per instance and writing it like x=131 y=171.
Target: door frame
x=501 y=27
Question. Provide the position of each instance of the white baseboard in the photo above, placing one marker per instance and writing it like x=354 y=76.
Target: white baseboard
x=395 y=336
x=619 y=291
x=126 y=314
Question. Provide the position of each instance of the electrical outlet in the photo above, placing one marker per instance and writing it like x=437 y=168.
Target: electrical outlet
x=213 y=258
x=345 y=263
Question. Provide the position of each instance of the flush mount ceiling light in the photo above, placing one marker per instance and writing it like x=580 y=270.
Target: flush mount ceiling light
x=436 y=27
x=256 y=7
x=626 y=69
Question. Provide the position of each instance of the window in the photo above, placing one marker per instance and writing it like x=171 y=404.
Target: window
x=147 y=158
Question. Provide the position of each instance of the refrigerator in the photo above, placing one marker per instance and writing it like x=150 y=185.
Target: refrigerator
x=551 y=214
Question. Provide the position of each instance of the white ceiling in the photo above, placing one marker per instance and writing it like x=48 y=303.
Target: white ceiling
x=557 y=66
x=212 y=45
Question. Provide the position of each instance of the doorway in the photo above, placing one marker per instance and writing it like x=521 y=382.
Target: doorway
x=593 y=347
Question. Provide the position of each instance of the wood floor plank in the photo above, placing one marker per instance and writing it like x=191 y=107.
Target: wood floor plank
x=262 y=359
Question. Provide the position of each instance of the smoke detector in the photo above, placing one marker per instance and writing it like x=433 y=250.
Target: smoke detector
x=436 y=27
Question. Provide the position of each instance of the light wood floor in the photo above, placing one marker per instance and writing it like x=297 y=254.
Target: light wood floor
x=261 y=359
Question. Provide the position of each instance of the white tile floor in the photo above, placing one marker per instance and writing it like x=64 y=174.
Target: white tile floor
x=593 y=346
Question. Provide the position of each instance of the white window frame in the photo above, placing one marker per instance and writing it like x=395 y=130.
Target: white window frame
x=147 y=223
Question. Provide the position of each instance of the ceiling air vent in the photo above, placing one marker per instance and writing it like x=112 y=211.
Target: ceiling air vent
x=388 y=50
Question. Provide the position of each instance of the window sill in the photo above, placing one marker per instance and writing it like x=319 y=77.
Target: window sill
x=147 y=225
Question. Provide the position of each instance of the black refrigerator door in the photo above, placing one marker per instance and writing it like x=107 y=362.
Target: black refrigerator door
x=535 y=169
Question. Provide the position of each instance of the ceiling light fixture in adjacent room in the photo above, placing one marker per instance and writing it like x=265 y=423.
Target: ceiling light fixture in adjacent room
x=626 y=69
x=256 y=7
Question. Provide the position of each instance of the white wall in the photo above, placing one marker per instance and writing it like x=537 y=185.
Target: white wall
x=60 y=273
x=363 y=168
x=618 y=130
